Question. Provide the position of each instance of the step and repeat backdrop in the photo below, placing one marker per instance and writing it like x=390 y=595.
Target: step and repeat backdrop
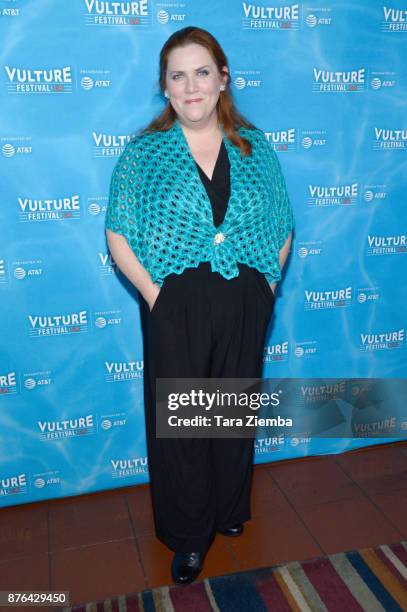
x=326 y=82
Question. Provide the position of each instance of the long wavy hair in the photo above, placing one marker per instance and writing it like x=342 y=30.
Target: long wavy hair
x=228 y=116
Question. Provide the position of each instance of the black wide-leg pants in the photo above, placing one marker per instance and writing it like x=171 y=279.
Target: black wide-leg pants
x=202 y=325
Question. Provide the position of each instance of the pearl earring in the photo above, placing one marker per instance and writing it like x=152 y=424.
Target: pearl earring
x=222 y=88
x=166 y=94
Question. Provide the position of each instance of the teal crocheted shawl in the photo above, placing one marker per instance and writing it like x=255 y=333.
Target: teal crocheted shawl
x=159 y=204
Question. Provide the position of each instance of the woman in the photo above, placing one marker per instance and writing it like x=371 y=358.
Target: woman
x=200 y=222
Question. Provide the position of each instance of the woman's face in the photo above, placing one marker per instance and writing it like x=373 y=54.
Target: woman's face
x=193 y=84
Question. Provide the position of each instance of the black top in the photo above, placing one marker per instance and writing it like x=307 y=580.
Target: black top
x=218 y=188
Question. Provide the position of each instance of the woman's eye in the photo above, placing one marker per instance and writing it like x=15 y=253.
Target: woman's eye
x=177 y=77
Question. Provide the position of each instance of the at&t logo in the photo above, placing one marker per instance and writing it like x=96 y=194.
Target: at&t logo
x=382 y=80
x=308 y=250
x=112 y=420
x=164 y=15
x=97 y=205
x=247 y=79
x=311 y=139
x=305 y=349
x=367 y=295
x=319 y=17
x=15 y=146
x=107 y=318
x=374 y=193
x=95 y=79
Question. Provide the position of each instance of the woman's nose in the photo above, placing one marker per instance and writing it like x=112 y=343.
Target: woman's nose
x=190 y=84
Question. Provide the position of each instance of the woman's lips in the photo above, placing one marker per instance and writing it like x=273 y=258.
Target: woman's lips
x=193 y=100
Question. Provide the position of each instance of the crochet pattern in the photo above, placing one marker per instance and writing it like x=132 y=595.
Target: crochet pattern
x=158 y=203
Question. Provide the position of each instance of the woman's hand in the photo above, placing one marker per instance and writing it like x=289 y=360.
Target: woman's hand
x=152 y=296
x=273 y=287
x=130 y=266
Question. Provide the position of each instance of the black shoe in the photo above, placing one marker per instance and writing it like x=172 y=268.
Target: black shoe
x=235 y=530
x=186 y=566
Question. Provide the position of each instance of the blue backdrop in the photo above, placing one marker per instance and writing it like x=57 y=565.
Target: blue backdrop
x=327 y=84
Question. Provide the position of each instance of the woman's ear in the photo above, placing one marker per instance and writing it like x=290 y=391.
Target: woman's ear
x=225 y=77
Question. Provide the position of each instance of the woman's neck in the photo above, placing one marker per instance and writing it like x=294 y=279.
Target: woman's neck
x=210 y=131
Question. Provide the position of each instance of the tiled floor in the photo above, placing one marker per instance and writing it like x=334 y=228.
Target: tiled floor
x=99 y=545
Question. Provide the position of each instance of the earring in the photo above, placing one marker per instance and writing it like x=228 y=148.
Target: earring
x=166 y=94
x=222 y=88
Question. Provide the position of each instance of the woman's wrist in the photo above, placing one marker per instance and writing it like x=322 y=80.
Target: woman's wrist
x=150 y=293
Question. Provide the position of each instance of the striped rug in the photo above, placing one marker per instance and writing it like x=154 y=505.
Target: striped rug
x=371 y=579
